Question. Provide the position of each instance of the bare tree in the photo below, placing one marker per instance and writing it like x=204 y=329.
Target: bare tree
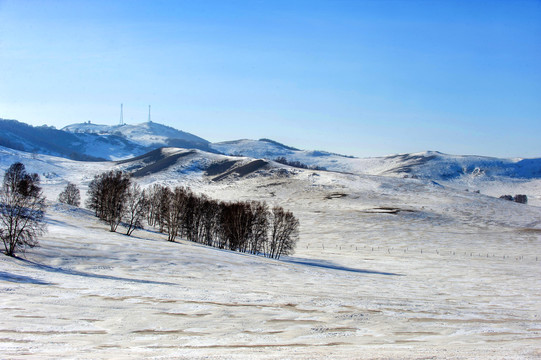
x=210 y=213
x=96 y=195
x=22 y=208
x=237 y=225
x=165 y=199
x=135 y=208
x=107 y=195
x=71 y=195
x=153 y=197
x=260 y=225
x=284 y=233
x=189 y=217
x=173 y=209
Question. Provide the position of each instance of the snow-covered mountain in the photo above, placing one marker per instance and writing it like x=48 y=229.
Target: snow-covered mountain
x=148 y=134
x=77 y=146
x=92 y=142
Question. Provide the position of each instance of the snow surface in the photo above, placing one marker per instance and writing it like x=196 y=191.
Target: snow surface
x=385 y=268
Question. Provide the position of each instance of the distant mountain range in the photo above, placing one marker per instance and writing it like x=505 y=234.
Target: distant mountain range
x=92 y=142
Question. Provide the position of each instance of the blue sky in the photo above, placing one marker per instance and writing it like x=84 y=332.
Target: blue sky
x=363 y=78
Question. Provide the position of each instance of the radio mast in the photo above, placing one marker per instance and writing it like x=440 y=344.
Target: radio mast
x=121 y=115
x=149 y=114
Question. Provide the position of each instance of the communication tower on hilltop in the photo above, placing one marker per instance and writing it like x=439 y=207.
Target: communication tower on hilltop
x=121 y=115
x=149 y=114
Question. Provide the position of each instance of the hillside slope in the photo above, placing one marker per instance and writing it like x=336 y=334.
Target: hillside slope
x=386 y=267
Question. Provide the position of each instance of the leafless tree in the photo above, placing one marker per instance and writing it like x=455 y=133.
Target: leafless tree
x=70 y=195
x=237 y=225
x=173 y=211
x=164 y=208
x=135 y=208
x=284 y=233
x=191 y=217
x=154 y=197
x=22 y=208
x=96 y=195
x=260 y=225
x=210 y=213
x=107 y=195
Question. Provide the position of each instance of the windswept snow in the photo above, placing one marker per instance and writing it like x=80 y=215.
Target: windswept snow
x=386 y=268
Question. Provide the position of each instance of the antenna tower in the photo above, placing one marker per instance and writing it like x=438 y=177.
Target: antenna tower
x=121 y=115
x=149 y=114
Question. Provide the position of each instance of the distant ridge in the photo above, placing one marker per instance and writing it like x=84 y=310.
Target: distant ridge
x=94 y=142
x=149 y=134
x=48 y=141
x=279 y=144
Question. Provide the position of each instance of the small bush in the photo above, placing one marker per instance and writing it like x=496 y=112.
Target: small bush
x=522 y=199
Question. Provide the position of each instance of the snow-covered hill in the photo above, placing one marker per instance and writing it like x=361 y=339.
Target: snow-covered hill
x=91 y=142
x=467 y=172
x=148 y=134
x=78 y=146
x=386 y=267
x=88 y=141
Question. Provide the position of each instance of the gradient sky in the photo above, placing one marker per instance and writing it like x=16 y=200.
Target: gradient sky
x=362 y=78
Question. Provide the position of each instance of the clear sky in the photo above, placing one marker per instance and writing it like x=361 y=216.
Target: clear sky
x=362 y=78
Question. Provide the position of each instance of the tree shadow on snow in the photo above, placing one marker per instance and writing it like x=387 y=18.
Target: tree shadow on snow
x=322 y=264
x=21 y=279
x=90 y=275
x=55 y=222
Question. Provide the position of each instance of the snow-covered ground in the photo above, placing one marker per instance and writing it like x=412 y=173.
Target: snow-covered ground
x=385 y=268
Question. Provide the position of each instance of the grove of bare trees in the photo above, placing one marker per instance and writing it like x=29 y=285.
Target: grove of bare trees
x=245 y=226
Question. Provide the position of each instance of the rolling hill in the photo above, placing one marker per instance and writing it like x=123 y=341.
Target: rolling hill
x=386 y=266
x=149 y=134
x=94 y=142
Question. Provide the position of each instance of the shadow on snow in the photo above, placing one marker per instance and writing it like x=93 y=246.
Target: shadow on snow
x=90 y=275
x=21 y=279
x=329 y=265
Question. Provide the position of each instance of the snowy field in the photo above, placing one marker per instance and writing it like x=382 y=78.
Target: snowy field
x=385 y=268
